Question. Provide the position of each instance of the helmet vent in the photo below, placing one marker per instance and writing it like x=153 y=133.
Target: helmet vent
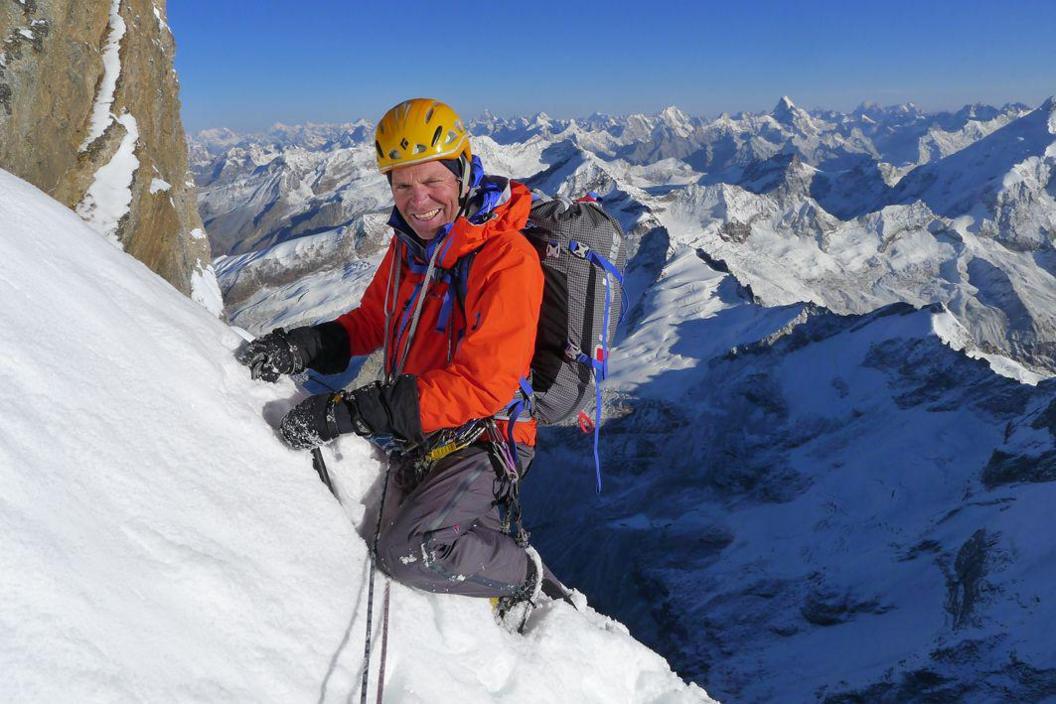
x=437 y=134
x=429 y=114
x=394 y=154
x=419 y=148
x=451 y=137
x=381 y=154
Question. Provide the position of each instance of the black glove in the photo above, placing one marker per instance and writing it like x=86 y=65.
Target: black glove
x=386 y=409
x=374 y=409
x=311 y=423
x=323 y=347
x=278 y=352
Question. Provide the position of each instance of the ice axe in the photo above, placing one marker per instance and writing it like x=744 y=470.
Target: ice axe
x=318 y=464
x=320 y=468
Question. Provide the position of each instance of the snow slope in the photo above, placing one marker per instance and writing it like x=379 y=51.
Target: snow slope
x=819 y=507
x=158 y=544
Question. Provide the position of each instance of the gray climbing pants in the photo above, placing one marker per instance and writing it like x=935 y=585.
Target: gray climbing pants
x=443 y=535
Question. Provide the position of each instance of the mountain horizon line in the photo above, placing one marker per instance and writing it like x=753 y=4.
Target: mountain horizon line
x=783 y=105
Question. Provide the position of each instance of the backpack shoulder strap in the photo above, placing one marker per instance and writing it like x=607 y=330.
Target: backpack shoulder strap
x=461 y=278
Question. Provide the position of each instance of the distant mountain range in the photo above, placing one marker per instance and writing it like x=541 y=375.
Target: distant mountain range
x=848 y=210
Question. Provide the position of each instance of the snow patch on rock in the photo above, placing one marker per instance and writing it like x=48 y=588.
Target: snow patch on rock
x=109 y=198
x=163 y=26
x=157 y=185
x=104 y=100
x=205 y=289
x=953 y=333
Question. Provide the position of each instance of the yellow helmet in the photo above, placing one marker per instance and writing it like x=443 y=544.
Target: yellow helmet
x=419 y=130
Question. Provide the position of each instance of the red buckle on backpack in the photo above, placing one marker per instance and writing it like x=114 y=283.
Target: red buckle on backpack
x=586 y=423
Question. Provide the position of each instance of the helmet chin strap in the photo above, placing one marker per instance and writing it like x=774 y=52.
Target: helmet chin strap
x=467 y=178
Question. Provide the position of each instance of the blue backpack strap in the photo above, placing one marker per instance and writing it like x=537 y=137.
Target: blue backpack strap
x=584 y=252
x=444 y=317
x=458 y=282
x=599 y=367
x=522 y=403
x=601 y=371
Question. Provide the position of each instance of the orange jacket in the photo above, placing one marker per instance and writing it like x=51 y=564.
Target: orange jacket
x=490 y=346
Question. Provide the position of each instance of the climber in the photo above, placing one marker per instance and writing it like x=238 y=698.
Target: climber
x=456 y=341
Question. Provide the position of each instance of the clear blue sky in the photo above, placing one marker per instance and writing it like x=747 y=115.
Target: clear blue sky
x=247 y=65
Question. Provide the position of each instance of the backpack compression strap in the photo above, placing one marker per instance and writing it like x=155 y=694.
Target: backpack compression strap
x=599 y=362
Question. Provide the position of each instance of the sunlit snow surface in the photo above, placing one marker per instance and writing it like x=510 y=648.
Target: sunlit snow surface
x=157 y=543
x=205 y=290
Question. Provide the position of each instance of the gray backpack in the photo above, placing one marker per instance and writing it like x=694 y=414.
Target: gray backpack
x=582 y=253
x=583 y=256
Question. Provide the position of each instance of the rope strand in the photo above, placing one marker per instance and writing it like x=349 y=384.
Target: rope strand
x=384 y=640
x=370 y=592
x=390 y=308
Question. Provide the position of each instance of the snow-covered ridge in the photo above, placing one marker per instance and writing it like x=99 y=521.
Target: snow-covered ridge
x=910 y=135
x=802 y=205
x=157 y=543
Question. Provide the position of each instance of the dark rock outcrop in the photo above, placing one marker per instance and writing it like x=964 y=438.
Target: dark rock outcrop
x=89 y=113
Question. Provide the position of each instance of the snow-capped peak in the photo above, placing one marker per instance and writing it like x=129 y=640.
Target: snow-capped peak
x=786 y=111
x=677 y=120
x=541 y=119
x=1049 y=106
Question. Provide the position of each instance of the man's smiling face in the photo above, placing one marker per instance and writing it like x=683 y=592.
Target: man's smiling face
x=426 y=196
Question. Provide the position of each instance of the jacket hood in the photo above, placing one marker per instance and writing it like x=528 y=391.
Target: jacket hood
x=494 y=205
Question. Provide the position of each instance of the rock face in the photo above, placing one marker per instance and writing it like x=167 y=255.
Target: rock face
x=89 y=113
